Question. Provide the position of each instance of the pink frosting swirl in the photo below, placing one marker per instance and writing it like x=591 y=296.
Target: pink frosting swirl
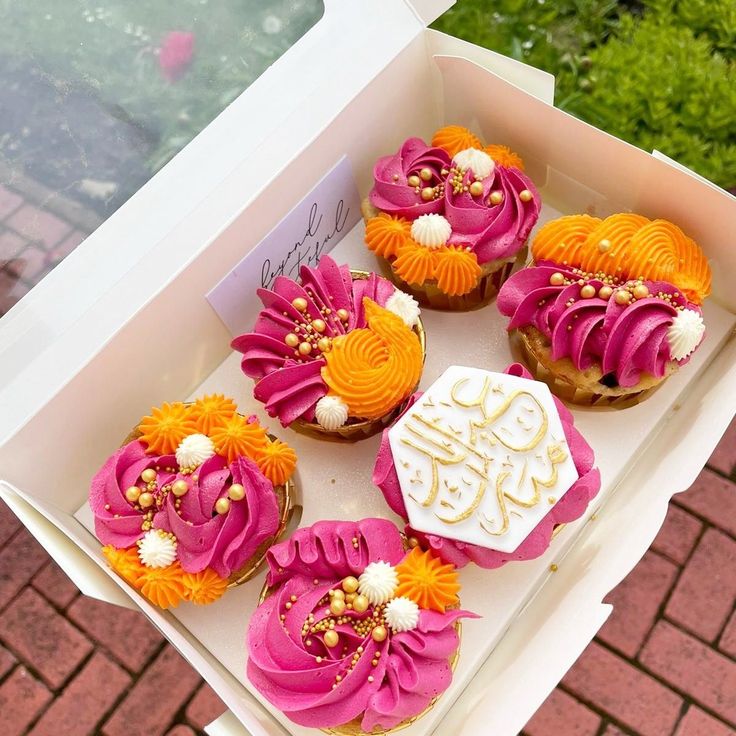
x=117 y=521
x=391 y=191
x=290 y=385
x=223 y=542
x=626 y=341
x=493 y=231
x=205 y=538
x=570 y=507
x=296 y=672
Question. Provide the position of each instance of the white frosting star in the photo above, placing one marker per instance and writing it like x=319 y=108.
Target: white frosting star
x=331 y=412
x=479 y=162
x=431 y=231
x=378 y=582
x=194 y=450
x=685 y=333
x=402 y=614
x=405 y=306
x=157 y=549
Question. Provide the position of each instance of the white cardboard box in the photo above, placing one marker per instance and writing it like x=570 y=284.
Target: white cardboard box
x=79 y=366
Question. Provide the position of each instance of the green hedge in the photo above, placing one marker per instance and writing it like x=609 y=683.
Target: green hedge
x=665 y=79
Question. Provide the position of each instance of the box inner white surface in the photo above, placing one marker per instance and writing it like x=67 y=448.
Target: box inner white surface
x=175 y=347
x=335 y=480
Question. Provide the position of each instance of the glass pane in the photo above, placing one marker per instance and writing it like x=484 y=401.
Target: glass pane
x=95 y=97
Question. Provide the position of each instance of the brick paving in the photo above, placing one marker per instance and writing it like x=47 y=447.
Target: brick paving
x=664 y=664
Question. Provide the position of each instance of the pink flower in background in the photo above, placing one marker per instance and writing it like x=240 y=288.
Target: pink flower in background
x=175 y=54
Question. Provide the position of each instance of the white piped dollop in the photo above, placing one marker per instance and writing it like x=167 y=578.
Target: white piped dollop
x=378 y=582
x=479 y=162
x=157 y=549
x=331 y=412
x=431 y=231
x=405 y=306
x=194 y=450
x=402 y=614
x=685 y=333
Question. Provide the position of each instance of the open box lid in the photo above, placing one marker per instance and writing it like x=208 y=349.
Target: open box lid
x=268 y=124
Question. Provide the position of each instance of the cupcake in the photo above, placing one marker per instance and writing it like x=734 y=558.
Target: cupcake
x=608 y=308
x=192 y=500
x=355 y=634
x=450 y=219
x=485 y=467
x=336 y=354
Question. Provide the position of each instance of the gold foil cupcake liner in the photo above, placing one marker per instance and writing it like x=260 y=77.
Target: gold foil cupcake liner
x=356 y=431
x=286 y=497
x=542 y=369
x=429 y=294
x=353 y=728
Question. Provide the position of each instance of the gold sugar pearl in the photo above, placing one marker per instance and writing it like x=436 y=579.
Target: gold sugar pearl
x=337 y=606
x=379 y=634
x=332 y=638
x=236 y=492
x=180 y=488
x=350 y=584
x=222 y=505
x=146 y=499
x=305 y=348
x=324 y=344
x=414 y=181
x=300 y=304
x=340 y=594
x=604 y=245
x=476 y=189
x=425 y=174
x=319 y=325
x=556 y=279
x=343 y=315
x=292 y=340
x=496 y=197
x=641 y=291
x=525 y=195
x=132 y=494
x=622 y=297
x=360 y=604
x=587 y=292
x=605 y=292
x=148 y=475
x=413 y=542
x=428 y=194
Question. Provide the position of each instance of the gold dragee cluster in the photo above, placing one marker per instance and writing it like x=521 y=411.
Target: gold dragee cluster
x=151 y=499
x=307 y=336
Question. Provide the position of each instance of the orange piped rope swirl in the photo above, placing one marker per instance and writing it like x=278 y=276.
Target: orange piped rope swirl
x=627 y=246
x=373 y=369
x=385 y=235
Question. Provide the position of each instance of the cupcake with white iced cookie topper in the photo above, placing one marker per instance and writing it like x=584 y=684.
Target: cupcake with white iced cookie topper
x=192 y=500
x=356 y=634
x=336 y=353
x=485 y=466
x=450 y=219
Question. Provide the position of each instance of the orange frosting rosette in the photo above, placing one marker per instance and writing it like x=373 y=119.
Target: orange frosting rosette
x=504 y=156
x=277 y=462
x=163 y=586
x=212 y=411
x=126 y=563
x=627 y=246
x=237 y=437
x=415 y=263
x=455 y=138
x=457 y=270
x=424 y=579
x=373 y=369
x=166 y=427
x=203 y=587
x=386 y=235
